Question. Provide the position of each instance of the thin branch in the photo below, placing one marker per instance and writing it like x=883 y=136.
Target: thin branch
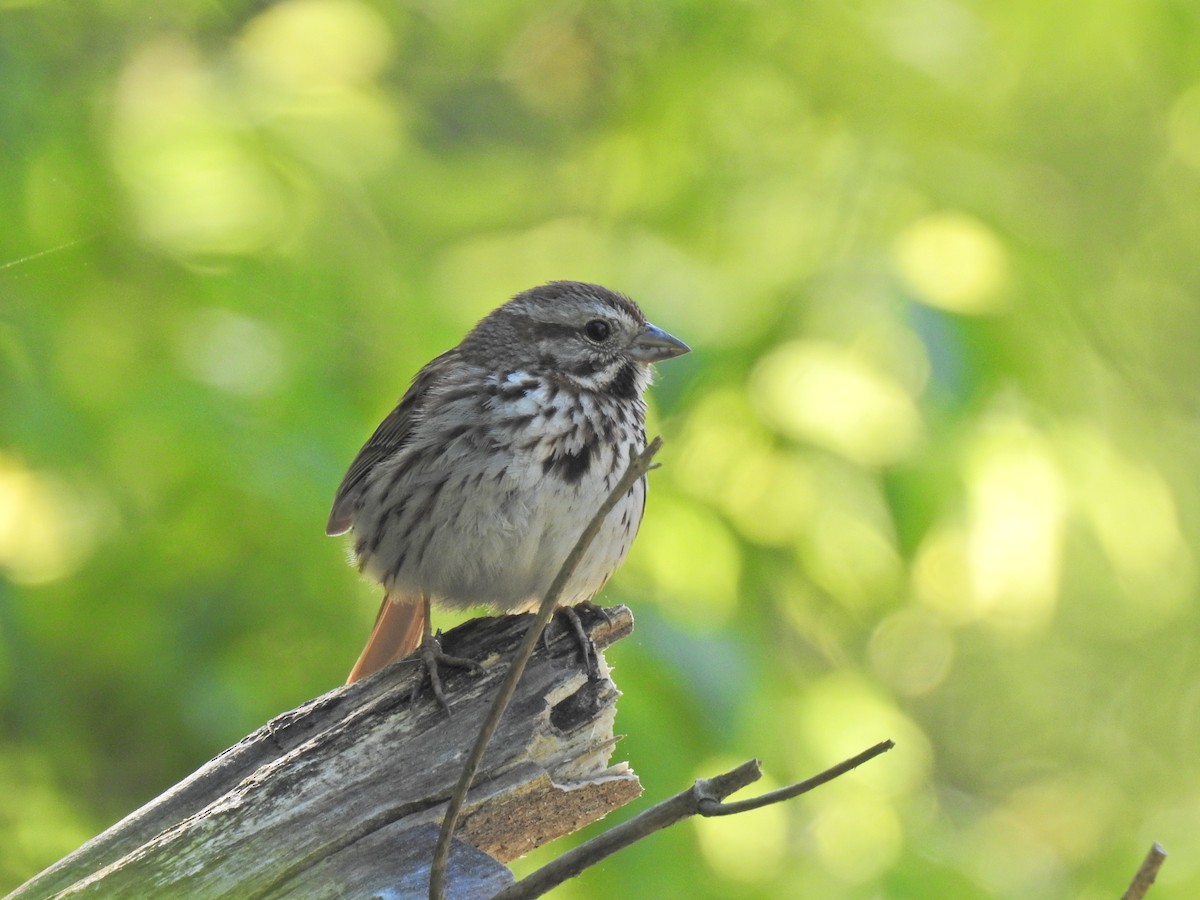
x=661 y=815
x=716 y=808
x=704 y=798
x=1146 y=873
x=638 y=467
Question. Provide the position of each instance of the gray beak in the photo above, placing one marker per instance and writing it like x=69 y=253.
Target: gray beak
x=654 y=345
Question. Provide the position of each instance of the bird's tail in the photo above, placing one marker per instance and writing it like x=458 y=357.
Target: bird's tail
x=397 y=633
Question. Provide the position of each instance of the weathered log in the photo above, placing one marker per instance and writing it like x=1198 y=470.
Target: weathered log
x=343 y=795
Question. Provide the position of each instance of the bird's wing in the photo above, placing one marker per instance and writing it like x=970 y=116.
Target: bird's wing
x=392 y=434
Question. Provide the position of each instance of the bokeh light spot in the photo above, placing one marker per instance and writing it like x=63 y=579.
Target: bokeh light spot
x=1132 y=512
x=1066 y=814
x=232 y=352
x=1008 y=859
x=953 y=261
x=309 y=76
x=726 y=456
x=858 y=835
x=819 y=392
x=317 y=44
x=687 y=553
x=1017 y=508
x=849 y=556
x=47 y=529
x=940 y=575
x=844 y=713
x=196 y=187
x=912 y=650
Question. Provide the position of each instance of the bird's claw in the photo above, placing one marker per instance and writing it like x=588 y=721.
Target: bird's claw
x=432 y=655
x=587 y=647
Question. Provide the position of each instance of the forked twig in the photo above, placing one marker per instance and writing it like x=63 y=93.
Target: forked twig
x=715 y=808
x=704 y=798
x=638 y=467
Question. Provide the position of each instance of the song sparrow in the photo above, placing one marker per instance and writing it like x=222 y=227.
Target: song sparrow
x=476 y=487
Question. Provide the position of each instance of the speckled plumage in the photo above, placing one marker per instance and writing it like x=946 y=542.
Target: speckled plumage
x=475 y=488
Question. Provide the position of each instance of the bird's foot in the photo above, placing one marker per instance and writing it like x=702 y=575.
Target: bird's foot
x=595 y=609
x=587 y=648
x=432 y=655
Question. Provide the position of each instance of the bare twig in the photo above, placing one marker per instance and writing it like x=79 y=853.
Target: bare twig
x=716 y=808
x=636 y=469
x=704 y=798
x=661 y=815
x=1146 y=873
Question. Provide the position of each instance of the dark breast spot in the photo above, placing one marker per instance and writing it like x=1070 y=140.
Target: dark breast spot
x=570 y=467
x=624 y=384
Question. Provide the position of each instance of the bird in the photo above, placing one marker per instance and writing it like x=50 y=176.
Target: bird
x=475 y=488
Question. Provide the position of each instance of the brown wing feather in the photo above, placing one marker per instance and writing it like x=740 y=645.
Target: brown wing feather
x=391 y=435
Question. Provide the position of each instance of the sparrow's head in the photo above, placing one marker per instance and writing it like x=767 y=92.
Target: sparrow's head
x=583 y=332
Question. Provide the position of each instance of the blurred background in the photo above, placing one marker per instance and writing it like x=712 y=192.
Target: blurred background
x=930 y=471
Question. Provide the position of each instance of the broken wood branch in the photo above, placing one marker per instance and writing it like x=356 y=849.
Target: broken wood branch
x=344 y=795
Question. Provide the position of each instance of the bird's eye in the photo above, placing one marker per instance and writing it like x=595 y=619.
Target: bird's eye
x=597 y=330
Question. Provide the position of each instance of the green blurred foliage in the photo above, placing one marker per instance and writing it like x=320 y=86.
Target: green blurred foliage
x=930 y=472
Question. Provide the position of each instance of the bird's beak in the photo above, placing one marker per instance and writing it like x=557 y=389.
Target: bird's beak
x=654 y=345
